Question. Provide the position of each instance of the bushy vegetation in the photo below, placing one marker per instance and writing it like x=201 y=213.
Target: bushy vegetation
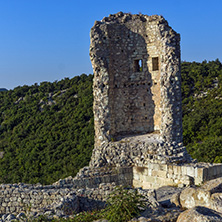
x=46 y=130
x=202 y=109
x=123 y=204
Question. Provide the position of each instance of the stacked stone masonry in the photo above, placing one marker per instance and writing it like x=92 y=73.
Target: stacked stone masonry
x=136 y=62
x=17 y=198
x=56 y=200
x=155 y=175
x=137 y=102
x=130 y=151
x=87 y=191
x=91 y=187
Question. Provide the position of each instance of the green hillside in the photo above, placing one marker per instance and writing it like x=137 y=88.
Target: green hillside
x=202 y=109
x=46 y=130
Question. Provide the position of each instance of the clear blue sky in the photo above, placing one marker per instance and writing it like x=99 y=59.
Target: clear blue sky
x=47 y=40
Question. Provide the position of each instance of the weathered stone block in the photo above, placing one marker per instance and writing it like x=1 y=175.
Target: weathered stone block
x=136 y=176
x=159 y=173
x=190 y=171
x=146 y=185
x=149 y=179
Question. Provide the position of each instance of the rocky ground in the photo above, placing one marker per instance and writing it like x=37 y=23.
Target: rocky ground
x=190 y=204
x=169 y=204
x=196 y=204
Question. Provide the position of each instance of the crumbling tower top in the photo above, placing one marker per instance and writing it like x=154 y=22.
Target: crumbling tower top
x=137 y=81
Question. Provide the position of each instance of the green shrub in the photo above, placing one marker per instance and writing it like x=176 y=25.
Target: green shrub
x=85 y=216
x=123 y=204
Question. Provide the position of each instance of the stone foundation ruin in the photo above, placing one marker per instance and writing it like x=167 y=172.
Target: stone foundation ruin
x=137 y=102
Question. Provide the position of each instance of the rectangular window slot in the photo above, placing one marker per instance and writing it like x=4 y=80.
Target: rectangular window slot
x=155 y=62
x=138 y=65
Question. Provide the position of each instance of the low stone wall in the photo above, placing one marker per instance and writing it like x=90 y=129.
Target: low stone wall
x=87 y=191
x=90 y=188
x=17 y=198
x=154 y=175
x=89 y=177
x=26 y=198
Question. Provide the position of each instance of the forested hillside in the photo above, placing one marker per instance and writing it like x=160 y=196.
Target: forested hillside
x=202 y=109
x=46 y=130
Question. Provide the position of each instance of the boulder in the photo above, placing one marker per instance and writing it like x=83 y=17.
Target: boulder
x=165 y=215
x=216 y=201
x=191 y=197
x=208 y=195
x=175 y=200
x=200 y=214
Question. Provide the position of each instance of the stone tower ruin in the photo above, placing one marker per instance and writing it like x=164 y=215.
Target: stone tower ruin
x=136 y=62
x=137 y=103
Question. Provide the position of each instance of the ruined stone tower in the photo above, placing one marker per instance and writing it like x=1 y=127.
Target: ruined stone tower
x=137 y=92
x=136 y=62
x=137 y=104
x=137 y=107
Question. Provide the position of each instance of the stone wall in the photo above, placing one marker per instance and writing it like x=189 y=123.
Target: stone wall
x=154 y=175
x=91 y=187
x=87 y=191
x=92 y=177
x=136 y=62
x=17 y=198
